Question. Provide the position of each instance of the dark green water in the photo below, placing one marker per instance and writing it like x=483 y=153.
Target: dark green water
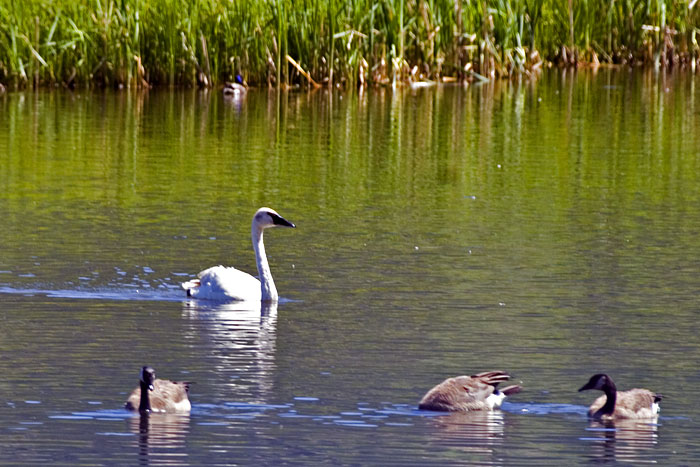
x=551 y=229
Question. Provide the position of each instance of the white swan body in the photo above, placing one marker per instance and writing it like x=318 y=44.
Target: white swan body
x=226 y=283
x=222 y=283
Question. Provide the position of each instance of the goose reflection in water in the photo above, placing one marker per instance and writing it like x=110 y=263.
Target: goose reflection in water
x=476 y=432
x=161 y=438
x=241 y=337
x=631 y=441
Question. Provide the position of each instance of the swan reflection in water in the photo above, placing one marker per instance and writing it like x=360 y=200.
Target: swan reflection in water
x=161 y=438
x=241 y=340
x=477 y=432
x=623 y=440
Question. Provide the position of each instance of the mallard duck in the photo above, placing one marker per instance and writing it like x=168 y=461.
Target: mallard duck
x=237 y=88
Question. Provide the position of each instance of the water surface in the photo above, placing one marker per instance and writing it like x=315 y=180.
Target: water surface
x=547 y=228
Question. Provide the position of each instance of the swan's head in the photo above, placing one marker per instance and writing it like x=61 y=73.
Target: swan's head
x=148 y=377
x=266 y=217
x=600 y=381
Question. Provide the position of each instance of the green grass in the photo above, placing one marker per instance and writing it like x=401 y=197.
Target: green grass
x=206 y=42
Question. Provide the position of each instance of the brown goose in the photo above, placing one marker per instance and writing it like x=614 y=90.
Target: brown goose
x=158 y=395
x=635 y=403
x=467 y=393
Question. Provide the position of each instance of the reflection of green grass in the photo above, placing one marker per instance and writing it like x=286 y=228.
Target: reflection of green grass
x=188 y=42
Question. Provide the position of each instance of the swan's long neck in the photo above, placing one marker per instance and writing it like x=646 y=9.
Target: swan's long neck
x=267 y=285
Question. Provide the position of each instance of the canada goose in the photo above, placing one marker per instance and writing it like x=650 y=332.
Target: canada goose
x=467 y=393
x=635 y=403
x=237 y=88
x=158 y=395
x=224 y=283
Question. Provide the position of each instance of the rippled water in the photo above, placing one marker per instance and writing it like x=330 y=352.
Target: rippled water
x=550 y=229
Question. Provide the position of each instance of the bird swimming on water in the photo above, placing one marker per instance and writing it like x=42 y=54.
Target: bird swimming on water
x=158 y=395
x=237 y=88
x=469 y=393
x=614 y=404
x=228 y=283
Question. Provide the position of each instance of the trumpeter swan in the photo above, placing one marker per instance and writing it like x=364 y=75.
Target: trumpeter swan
x=158 y=395
x=226 y=283
x=467 y=393
x=634 y=403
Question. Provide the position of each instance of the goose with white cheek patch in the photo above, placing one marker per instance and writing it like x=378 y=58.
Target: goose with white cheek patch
x=469 y=393
x=228 y=283
x=614 y=404
x=158 y=395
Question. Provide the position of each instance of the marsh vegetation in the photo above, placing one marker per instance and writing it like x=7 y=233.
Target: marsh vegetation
x=134 y=43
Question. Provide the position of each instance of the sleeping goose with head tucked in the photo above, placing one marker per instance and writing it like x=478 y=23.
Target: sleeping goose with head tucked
x=469 y=393
x=614 y=404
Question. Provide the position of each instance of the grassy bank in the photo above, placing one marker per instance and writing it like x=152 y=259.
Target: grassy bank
x=308 y=42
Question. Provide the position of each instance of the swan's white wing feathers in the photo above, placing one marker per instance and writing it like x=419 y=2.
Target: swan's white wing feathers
x=222 y=283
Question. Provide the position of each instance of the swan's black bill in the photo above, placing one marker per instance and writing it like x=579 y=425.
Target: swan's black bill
x=281 y=221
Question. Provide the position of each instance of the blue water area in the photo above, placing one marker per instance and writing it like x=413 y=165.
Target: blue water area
x=545 y=227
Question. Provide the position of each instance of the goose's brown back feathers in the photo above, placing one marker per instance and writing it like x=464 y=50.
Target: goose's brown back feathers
x=634 y=403
x=468 y=393
x=163 y=395
x=614 y=404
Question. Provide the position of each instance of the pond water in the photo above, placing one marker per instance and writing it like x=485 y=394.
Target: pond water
x=547 y=228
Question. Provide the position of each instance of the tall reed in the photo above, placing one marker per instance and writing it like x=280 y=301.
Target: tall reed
x=302 y=42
